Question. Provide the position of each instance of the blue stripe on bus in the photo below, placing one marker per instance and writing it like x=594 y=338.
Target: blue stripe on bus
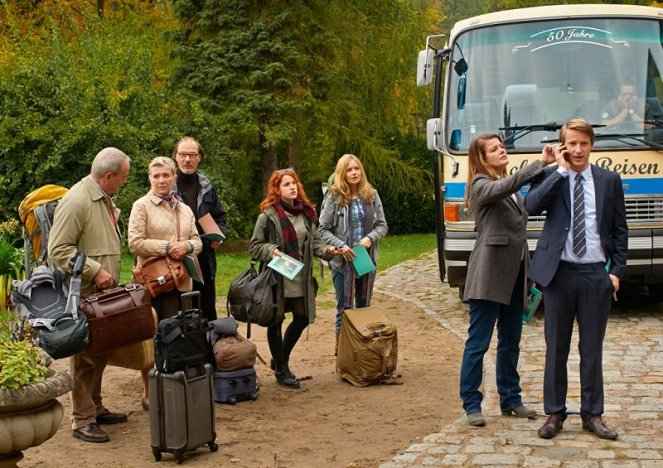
x=648 y=186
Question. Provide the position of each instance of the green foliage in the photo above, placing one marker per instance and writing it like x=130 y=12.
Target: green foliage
x=21 y=362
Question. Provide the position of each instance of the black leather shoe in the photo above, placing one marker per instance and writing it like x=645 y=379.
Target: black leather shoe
x=286 y=379
x=597 y=425
x=111 y=418
x=552 y=427
x=91 y=433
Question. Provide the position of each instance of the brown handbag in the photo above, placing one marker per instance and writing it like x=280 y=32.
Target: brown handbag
x=118 y=317
x=234 y=352
x=162 y=274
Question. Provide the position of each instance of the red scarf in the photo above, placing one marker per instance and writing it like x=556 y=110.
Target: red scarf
x=290 y=242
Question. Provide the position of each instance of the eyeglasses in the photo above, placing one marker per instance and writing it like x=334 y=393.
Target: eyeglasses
x=289 y=170
x=188 y=155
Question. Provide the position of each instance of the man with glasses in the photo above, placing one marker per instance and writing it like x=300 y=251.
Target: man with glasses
x=198 y=192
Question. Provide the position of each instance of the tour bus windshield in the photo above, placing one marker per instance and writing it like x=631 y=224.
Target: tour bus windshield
x=526 y=79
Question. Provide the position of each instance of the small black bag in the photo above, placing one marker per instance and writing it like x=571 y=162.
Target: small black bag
x=181 y=341
x=252 y=297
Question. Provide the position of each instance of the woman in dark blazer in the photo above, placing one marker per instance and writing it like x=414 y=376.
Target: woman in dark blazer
x=496 y=275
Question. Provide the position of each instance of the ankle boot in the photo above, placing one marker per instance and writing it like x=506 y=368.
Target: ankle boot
x=284 y=377
x=272 y=366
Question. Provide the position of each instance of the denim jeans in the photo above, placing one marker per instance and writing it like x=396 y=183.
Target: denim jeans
x=338 y=278
x=509 y=319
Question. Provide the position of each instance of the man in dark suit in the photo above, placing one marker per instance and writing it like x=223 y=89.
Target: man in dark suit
x=578 y=261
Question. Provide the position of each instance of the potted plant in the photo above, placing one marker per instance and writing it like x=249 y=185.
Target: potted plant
x=30 y=414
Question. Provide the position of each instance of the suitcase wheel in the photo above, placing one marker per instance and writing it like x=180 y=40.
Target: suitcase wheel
x=179 y=458
x=253 y=396
x=231 y=400
x=213 y=447
x=157 y=454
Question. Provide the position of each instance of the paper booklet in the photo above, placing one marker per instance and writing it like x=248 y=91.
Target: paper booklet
x=286 y=265
x=211 y=230
x=193 y=268
x=534 y=297
x=362 y=262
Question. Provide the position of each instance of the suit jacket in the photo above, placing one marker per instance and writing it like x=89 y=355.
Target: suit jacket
x=550 y=192
x=501 y=242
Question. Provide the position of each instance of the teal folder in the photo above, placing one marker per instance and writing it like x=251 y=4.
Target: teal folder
x=534 y=297
x=362 y=262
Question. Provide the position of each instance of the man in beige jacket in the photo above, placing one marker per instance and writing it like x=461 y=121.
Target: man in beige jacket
x=86 y=221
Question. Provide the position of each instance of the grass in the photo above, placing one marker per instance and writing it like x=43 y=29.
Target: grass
x=393 y=250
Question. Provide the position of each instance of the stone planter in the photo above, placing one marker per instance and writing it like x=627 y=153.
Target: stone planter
x=31 y=415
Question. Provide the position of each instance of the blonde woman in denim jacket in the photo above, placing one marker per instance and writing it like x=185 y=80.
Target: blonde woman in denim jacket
x=355 y=217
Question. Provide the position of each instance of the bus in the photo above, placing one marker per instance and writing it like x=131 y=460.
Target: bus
x=523 y=73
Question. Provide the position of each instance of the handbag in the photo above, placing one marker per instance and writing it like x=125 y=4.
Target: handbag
x=118 y=317
x=252 y=297
x=162 y=274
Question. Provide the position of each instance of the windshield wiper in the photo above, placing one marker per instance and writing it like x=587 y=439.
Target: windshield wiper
x=639 y=137
x=516 y=132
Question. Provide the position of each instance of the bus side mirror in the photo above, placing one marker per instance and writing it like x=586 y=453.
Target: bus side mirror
x=434 y=134
x=425 y=68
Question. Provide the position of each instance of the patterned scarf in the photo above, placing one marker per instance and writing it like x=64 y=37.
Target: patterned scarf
x=290 y=242
x=172 y=198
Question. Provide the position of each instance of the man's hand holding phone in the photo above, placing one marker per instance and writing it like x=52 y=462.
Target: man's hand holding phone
x=562 y=156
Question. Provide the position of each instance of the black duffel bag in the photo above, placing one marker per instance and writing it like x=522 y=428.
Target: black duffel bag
x=252 y=297
x=181 y=341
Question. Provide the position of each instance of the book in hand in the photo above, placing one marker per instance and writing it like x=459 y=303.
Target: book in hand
x=534 y=297
x=193 y=268
x=362 y=262
x=211 y=230
x=286 y=265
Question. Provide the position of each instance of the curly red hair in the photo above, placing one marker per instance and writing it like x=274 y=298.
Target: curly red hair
x=274 y=194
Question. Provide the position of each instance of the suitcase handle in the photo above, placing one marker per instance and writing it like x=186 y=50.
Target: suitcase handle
x=187 y=300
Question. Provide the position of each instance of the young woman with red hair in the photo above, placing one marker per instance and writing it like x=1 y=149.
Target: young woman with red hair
x=289 y=224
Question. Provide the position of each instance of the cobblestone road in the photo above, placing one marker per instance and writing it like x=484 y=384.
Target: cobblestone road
x=633 y=374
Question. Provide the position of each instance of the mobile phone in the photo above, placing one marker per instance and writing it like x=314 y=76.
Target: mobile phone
x=565 y=153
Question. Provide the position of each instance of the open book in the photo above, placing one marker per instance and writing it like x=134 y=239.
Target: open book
x=211 y=230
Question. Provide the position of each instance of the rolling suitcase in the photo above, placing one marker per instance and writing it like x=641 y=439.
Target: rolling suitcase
x=236 y=385
x=182 y=411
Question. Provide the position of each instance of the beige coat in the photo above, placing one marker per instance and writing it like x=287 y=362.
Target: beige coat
x=83 y=223
x=153 y=224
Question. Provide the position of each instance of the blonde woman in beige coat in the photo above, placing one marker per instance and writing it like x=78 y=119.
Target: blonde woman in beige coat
x=161 y=224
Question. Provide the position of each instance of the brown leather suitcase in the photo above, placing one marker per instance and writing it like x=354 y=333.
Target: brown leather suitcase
x=118 y=317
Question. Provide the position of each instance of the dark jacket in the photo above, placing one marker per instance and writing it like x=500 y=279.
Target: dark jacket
x=209 y=202
x=551 y=193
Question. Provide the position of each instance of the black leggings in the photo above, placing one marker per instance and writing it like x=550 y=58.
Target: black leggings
x=281 y=345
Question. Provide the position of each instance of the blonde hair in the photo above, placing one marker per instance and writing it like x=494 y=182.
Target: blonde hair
x=477 y=163
x=579 y=125
x=161 y=161
x=341 y=189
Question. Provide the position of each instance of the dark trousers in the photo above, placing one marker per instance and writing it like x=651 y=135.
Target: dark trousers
x=579 y=292
x=208 y=289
